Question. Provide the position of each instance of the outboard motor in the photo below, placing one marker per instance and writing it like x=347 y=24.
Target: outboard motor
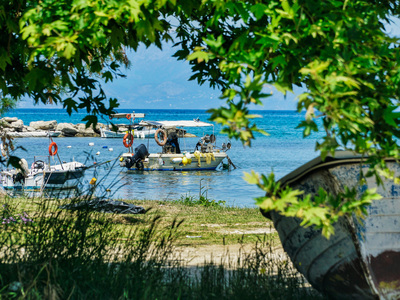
x=18 y=178
x=140 y=154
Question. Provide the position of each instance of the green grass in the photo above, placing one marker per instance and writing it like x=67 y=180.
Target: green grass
x=83 y=254
x=214 y=223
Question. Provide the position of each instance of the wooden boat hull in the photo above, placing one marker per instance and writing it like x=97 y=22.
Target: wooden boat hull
x=362 y=259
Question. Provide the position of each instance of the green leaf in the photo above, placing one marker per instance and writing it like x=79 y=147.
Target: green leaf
x=69 y=50
x=251 y=178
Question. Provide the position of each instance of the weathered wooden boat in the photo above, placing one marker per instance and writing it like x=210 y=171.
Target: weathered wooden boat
x=362 y=259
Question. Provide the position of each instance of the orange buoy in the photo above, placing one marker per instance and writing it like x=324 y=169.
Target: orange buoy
x=128 y=116
x=162 y=140
x=51 y=151
x=128 y=136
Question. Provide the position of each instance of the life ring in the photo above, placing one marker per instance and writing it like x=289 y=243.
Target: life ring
x=164 y=137
x=128 y=136
x=51 y=151
x=128 y=116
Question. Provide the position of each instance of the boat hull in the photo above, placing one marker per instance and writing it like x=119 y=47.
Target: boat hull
x=66 y=177
x=34 y=134
x=173 y=162
x=362 y=259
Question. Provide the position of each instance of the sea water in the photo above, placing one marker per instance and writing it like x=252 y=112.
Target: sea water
x=282 y=151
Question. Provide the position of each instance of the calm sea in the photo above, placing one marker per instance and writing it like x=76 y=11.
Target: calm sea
x=282 y=151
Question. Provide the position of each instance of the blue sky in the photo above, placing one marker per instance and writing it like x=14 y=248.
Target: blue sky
x=156 y=80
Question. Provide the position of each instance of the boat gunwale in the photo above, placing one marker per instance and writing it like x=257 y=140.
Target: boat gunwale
x=317 y=164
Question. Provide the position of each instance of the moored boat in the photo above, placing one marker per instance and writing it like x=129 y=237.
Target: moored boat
x=34 y=134
x=206 y=156
x=43 y=175
x=362 y=259
x=136 y=129
x=138 y=132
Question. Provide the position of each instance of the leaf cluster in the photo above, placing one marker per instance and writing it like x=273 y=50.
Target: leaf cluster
x=321 y=210
x=61 y=51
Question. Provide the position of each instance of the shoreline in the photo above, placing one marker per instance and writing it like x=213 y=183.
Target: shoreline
x=15 y=128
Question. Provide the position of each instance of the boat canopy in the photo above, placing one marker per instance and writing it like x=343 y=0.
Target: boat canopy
x=124 y=115
x=183 y=123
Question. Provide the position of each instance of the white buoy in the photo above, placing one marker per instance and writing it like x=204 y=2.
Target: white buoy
x=177 y=160
x=110 y=149
x=69 y=146
x=98 y=153
x=91 y=144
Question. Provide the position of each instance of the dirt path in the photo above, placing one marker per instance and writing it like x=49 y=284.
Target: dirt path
x=226 y=254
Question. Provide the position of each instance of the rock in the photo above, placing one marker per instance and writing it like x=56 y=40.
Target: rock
x=28 y=129
x=83 y=131
x=4 y=124
x=67 y=129
x=44 y=125
x=10 y=119
x=17 y=125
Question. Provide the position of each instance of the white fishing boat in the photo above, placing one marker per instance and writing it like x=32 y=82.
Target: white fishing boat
x=136 y=129
x=43 y=175
x=34 y=134
x=171 y=157
x=138 y=132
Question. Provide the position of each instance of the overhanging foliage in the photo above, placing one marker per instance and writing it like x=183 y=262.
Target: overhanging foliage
x=337 y=50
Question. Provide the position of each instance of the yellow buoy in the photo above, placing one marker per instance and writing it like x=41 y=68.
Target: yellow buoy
x=93 y=181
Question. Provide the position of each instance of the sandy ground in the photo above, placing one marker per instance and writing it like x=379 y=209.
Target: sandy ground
x=225 y=254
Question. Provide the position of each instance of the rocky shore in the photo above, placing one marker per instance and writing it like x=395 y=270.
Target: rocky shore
x=15 y=127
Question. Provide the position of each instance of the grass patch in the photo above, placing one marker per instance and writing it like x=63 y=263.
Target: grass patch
x=201 y=201
x=216 y=224
x=63 y=254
